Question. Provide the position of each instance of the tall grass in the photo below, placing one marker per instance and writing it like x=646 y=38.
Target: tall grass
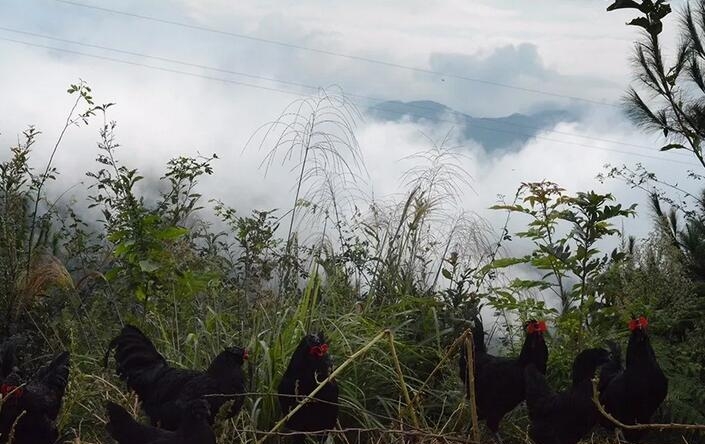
x=391 y=281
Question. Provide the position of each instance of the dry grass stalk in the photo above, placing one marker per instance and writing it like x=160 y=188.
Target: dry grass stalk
x=466 y=340
x=46 y=271
x=405 y=393
x=618 y=423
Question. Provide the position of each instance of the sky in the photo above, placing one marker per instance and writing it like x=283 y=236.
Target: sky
x=231 y=79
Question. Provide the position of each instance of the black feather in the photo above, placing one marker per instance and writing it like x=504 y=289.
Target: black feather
x=164 y=390
x=303 y=374
x=499 y=381
x=33 y=408
x=193 y=429
x=634 y=393
x=565 y=417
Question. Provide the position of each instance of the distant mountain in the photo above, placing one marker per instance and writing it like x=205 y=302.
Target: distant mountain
x=494 y=133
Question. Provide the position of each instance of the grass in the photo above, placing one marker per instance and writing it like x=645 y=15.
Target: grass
x=391 y=282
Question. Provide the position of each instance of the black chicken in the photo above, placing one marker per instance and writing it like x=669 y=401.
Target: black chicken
x=310 y=364
x=164 y=390
x=40 y=399
x=612 y=368
x=193 y=429
x=499 y=381
x=565 y=417
x=8 y=359
x=634 y=393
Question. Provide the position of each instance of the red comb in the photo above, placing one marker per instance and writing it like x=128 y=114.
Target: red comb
x=245 y=355
x=638 y=324
x=536 y=327
x=318 y=350
x=11 y=390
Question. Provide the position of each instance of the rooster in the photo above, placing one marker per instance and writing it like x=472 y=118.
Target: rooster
x=310 y=364
x=31 y=408
x=499 y=381
x=164 y=390
x=633 y=394
x=565 y=417
x=193 y=429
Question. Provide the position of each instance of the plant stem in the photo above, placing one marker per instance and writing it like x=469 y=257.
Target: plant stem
x=67 y=124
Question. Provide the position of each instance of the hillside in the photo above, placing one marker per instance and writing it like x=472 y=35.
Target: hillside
x=493 y=133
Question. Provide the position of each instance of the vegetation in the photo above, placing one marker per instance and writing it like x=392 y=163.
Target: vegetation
x=197 y=275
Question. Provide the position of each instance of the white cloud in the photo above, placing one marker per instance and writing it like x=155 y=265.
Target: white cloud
x=549 y=45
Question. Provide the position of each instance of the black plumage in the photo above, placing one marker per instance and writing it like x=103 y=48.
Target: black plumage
x=32 y=406
x=8 y=358
x=612 y=368
x=499 y=381
x=310 y=364
x=564 y=417
x=164 y=390
x=193 y=428
x=633 y=394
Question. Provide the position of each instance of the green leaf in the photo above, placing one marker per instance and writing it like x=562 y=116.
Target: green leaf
x=518 y=208
x=507 y=262
x=140 y=295
x=446 y=274
x=111 y=274
x=123 y=247
x=171 y=233
x=149 y=266
x=525 y=284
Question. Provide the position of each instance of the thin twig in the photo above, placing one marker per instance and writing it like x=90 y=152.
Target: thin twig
x=451 y=350
x=44 y=176
x=363 y=430
x=618 y=423
x=466 y=339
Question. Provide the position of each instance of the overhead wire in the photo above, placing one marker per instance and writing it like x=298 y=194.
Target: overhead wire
x=293 y=93
x=310 y=87
x=306 y=86
x=330 y=53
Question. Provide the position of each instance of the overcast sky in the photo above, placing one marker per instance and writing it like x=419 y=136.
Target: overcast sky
x=544 y=51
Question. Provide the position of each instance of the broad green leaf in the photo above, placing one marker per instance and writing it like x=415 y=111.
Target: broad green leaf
x=525 y=284
x=140 y=295
x=149 y=266
x=507 y=262
x=171 y=233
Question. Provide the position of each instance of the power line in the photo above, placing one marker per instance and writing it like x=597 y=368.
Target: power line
x=158 y=68
x=315 y=88
x=333 y=53
x=289 y=92
x=162 y=59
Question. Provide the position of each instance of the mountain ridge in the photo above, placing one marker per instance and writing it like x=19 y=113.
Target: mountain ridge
x=505 y=133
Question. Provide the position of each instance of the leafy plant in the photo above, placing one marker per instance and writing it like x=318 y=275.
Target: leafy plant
x=565 y=231
x=671 y=93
